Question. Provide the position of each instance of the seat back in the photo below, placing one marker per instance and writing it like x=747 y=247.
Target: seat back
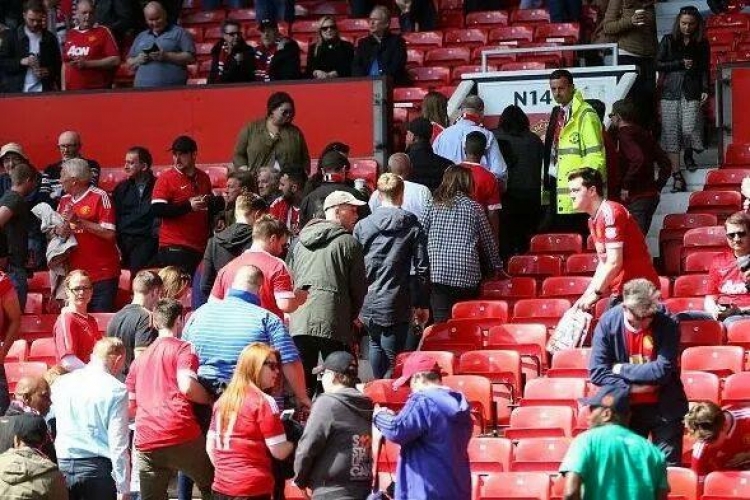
x=529 y=340
x=15 y=371
x=510 y=290
x=495 y=309
x=738 y=333
x=489 y=454
x=539 y=266
x=541 y=421
x=544 y=311
x=736 y=389
x=542 y=454
x=701 y=386
x=694 y=285
x=43 y=350
x=445 y=359
x=581 y=264
x=570 y=363
x=478 y=392
x=565 y=287
x=701 y=332
x=515 y=485
x=556 y=243
x=721 y=360
x=554 y=391
x=727 y=484
x=683 y=484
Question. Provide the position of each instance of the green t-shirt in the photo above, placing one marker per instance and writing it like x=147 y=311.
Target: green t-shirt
x=616 y=464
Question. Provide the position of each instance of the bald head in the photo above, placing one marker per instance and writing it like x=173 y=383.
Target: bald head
x=248 y=279
x=156 y=17
x=34 y=393
x=400 y=164
x=69 y=144
x=154 y=7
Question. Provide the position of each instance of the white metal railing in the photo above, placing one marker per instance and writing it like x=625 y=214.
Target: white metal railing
x=486 y=54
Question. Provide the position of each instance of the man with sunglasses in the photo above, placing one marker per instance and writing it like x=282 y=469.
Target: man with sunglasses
x=232 y=59
x=635 y=348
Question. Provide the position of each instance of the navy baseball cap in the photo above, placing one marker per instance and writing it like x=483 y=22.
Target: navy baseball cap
x=617 y=398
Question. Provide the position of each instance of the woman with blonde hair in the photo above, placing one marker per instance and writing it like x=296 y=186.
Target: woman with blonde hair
x=246 y=430
x=175 y=282
x=329 y=56
x=76 y=331
x=435 y=109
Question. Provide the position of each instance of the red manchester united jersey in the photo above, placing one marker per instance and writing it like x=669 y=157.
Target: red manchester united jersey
x=89 y=45
x=731 y=451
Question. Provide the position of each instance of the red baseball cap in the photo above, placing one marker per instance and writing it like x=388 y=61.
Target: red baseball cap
x=416 y=363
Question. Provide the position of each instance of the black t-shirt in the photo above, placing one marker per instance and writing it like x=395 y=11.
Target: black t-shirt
x=16 y=230
x=132 y=325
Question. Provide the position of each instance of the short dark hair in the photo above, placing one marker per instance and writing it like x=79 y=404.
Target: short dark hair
x=513 y=120
x=599 y=107
x=276 y=100
x=34 y=6
x=246 y=179
x=476 y=143
x=144 y=155
x=166 y=313
x=562 y=73
x=22 y=173
x=590 y=176
x=230 y=22
x=296 y=176
x=626 y=109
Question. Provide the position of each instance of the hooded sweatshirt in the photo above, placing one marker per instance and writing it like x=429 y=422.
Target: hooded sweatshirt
x=330 y=261
x=334 y=456
x=221 y=249
x=393 y=241
x=433 y=430
x=26 y=474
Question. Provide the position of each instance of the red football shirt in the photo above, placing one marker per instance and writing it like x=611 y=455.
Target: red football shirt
x=75 y=334
x=731 y=451
x=437 y=129
x=189 y=230
x=241 y=457
x=277 y=280
x=164 y=416
x=614 y=227
x=726 y=280
x=287 y=213
x=641 y=350
x=97 y=256
x=6 y=289
x=89 y=45
x=486 y=189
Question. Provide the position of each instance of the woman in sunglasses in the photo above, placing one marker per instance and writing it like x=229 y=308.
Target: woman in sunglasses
x=246 y=429
x=329 y=56
x=721 y=437
x=232 y=60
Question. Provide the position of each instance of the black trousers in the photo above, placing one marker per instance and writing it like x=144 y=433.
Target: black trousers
x=186 y=259
x=442 y=298
x=138 y=252
x=665 y=434
x=519 y=221
x=311 y=348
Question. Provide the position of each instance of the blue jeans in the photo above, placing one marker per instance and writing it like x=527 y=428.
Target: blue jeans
x=103 y=298
x=88 y=478
x=385 y=343
x=20 y=278
x=4 y=394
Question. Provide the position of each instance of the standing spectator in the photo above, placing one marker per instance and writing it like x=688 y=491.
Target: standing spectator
x=450 y=143
x=622 y=249
x=683 y=58
x=565 y=11
x=428 y=168
x=635 y=348
x=486 y=189
x=573 y=140
x=137 y=231
x=117 y=15
x=160 y=55
x=638 y=153
x=174 y=282
x=614 y=175
x=272 y=139
x=276 y=57
x=182 y=199
x=329 y=262
x=15 y=219
x=88 y=215
x=90 y=53
x=523 y=151
x=329 y=56
x=433 y=430
x=459 y=243
x=381 y=53
x=720 y=436
x=237 y=183
x=26 y=471
x=416 y=15
x=10 y=324
x=243 y=321
x=133 y=324
x=416 y=196
x=69 y=144
x=11 y=154
x=58 y=19
x=435 y=109
x=286 y=207
x=162 y=384
x=393 y=243
x=268 y=184
x=609 y=453
x=246 y=430
x=229 y=4
x=334 y=455
x=30 y=55
x=91 y=412
x=232 y=59
x=76 y=331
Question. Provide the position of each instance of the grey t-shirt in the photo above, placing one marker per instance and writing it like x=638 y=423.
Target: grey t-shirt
x=162 y=74
x=132 y=325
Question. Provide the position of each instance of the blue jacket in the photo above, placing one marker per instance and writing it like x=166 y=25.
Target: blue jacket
x=433 y=430
x=609 y=347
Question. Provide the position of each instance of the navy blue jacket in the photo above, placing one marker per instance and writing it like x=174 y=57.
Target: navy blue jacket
x=609 y=347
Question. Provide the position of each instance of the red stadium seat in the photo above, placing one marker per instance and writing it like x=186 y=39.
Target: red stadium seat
x=558 y=32
x=542 y=454
x=364 y=168
x=556 y=243
x=381 y=392
x=523 y=66
x=445 y=359
x=722 y=360
x=509 y=290
x=330 y=9
x=487 y=18
x=583 y=264
x=497 y=309
x=34 y=303
x=565 y=287
x=725 y=179
x=433 y=75
x=541 y=421
x=677 y=305
x=39 y=282
x=19 y=351
x=110 y=177
x=409 y=94
x=721 y=203
x=354 y=26
x=665 y=287
x=449 y=336
x=554 y=392
x=196 y=32
x=736 y=389
x=502 y=369
x=734 y=19
x=203 y=50
x=414 y=57
x=43 y=350
x=103 y=319
x=451 y=5
x=15 y=371
x=306 y=26
x=683 y=484
x=515 y=485
x=701 y=386
x=459 y=71
x=727 y=485
x=424 y=39
x=489 y=454
x=670 y=237
x=692 y=285
x=495 y=60
x=527 y=16
x=709 y=237
x=478 y=392
x=448 y=56
x=529 y=340
x=570 y=363
x=701 y=332
x=511 y=35
x=699 y=262
x=37 y=325
x=537 y=266
x=205 y=17
x=738 y=333
x=214 y=33
x=242 y=15
x=738 y=154
x=545 y=311
x=467 y=37
x=451 y=19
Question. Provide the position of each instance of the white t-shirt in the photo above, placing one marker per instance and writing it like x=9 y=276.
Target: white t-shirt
x=31 y=83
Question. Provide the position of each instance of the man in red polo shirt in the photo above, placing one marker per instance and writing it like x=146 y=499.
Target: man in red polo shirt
x=722 y=437
x=622 y=249
x=182 y=199
x=486 y=186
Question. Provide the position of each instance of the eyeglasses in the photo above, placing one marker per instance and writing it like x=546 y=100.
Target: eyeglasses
x=272 y=365
x=738 y=235
x=287 y=112
x=328 y=28
x=232 y=33
x=640 y=317
x=80 y=289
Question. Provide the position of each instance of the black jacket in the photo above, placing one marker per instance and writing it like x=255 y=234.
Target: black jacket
x=331 y=56
x=117 y=15
x=14 y=46
x=221 y=249
x=132 y=210
x=390 y=53
x=427 y=168
x=311 y=206
x=238 y=67
x=524 y=154
x=677 y=80
x=285 y=64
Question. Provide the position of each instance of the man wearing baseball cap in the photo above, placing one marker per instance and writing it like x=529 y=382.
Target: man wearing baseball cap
x=330 y=263
x=609 y=461
x=433 y=430
x=334 y=455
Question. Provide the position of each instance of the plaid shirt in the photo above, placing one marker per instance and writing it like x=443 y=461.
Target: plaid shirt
x=459 y=242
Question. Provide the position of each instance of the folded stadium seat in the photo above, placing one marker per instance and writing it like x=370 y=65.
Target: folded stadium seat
x=544 y=391
x=723 y=360
x=354 y=27
x=447 y=361
x=243 y=15
x=721 y=203
x=34 y=326
x=509 y=290
x=527 y=16
x=556 y=243
x=697 y=261
x=487 y=19
x=671 y=235
x=430 y=76
x=735 y=19
x=451 y=5
x=738 y=333
x=727 y=485
x=545 y=311
x=478 y=392
x=18 y=351
x=381 y=393
x=451 y=337
x=110 y=177
x=15 y=371
x=529 y=340
x=494 y=309
x=305 y=26
x=569 y=33
x=565 y=287
x=459 y=71
x=692 y=285
x=214 y=33
x=203 y=50
x=468 y=37
x=701 y=386
x=495 y=60
x=711 y=238
x=736 y=389
x=447 y=56
x=205 y=18
x=541 y=421
x=701 y=332
x=537 y=266
x=581 y=264
x=725 y=179
x=523 y=66
x=204 y=68
x=330 y=9
x=541 y=454
x=409 y=94
x=34 y=303
x=451 y=18
x=414 y=57
x=738 y=154
x=423 y=40
x=489 y=454
x=511 y=35
x=570 y=363
x=503 y=369
x=683 y=484
x=43 y=350
x=514 y=485
x=675 y=305
x=196 y=32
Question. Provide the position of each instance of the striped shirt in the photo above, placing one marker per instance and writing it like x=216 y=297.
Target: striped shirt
x=219 y=330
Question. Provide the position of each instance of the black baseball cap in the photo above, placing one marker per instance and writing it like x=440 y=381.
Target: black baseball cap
x=338 y=362
x=184 y=144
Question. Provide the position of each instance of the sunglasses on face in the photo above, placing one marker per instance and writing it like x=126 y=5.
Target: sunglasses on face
x=80 y=289
x=232 y=33
x=328 y=28
x=639 y=317
x=704 y=426
x=737 y=234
